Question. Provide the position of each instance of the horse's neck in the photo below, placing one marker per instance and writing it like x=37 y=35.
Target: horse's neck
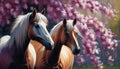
x=54 y=57
x=22 y=49
x=18 y=50
x=21 y=39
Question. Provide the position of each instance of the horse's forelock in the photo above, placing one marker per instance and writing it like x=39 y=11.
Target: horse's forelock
x=41 y=17
x=70 y=26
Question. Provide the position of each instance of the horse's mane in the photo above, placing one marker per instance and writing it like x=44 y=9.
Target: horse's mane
x=19 y=30
x=56 y=28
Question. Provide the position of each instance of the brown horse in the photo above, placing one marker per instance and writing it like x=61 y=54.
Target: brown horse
x=66 y=45
x=13 y=47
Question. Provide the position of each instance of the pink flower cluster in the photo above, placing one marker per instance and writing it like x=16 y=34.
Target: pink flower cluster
x=14 y=8
x=92 y=29
x=93 y=6
x=80 y=59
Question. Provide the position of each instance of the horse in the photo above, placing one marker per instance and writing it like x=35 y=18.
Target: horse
x=64 y=35
x=13 y=47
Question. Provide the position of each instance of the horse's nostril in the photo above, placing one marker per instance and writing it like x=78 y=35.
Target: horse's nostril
x=52 y=45
x=76 y=51
x=49 y=44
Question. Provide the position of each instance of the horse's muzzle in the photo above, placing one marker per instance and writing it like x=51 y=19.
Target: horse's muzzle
x=76 y=51
x=48 y=46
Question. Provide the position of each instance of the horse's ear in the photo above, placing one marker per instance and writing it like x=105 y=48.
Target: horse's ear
x=64 y=22
x=74 y=22
x=32 y=16
x=34 y=13
x=43 y=11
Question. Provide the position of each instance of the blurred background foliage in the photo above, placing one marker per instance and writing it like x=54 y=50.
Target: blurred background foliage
x=114 y=24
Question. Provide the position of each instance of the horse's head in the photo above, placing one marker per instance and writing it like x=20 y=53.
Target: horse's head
x=38 y=31
x=70 y=35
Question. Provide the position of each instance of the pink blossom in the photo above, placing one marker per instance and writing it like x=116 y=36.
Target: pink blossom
x=25 y=6
x=8 y=5
x=49 y=8
x=110 y=58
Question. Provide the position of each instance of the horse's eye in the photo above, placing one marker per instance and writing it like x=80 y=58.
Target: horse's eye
x=36 y=25
x=75 y=33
